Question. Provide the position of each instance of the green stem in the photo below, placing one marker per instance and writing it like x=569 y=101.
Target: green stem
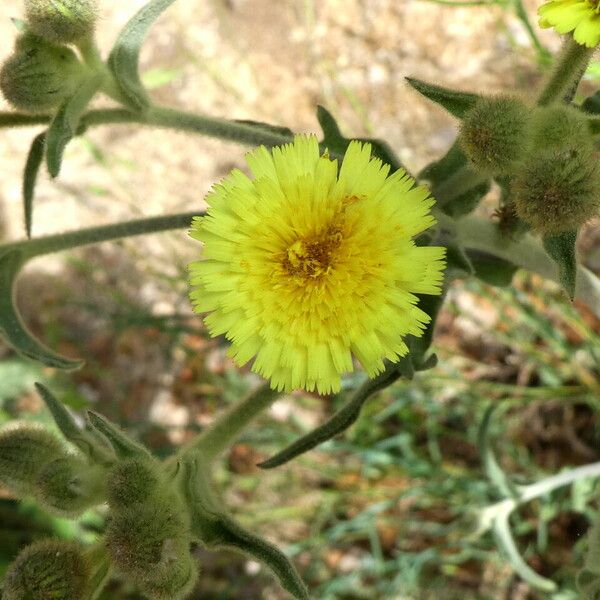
x=95 y=235
x=483 y=235
x=241 y=133
x=569 y=68
x=218 y=437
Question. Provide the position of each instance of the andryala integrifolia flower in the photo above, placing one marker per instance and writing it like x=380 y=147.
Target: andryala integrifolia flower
x=494 y=134
x=131 y=482
x=558 y=190
x=51 y=569
x=582 y=17
x=69 y=486
x=149 y=542
x=39 y=75
x=25 y=449
x=61 y=21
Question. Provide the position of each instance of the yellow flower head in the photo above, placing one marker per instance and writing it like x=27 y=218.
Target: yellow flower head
x=305 y=268
x=582 y=17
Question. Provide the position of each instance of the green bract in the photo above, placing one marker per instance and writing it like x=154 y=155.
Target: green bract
x=25 y=450
x=494 y=134
x=48 y=570
x=39 y=75
x=131 y=482
x=61 y=21
x=558 y=190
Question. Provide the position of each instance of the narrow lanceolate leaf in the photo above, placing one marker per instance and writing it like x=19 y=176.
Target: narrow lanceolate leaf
x=125 y=56
x=12 y=327
x=336 y=143
x=268 y=127
x=493 y=470
x=65 y=124
x=457 y=261
x=454 y=184
x=506 y=542
x=455 y=102
x=491 y=269
x=32 y=168
x=69 y=428
x=122 y=444
x=561 y=249
x=344 y=418
x=591 y=104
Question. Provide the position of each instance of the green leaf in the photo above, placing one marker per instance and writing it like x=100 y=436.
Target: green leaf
x=32 y=168
x=457 y=188
x=561 y=248
x=122 y=444
x=591 y=104
x=457 y=261
x=12 y=119
x=214 y=528
x=506 y=542
x=455 y=102
x=492 y=469
x=125 y=56
x=491 y=269
x=345 y=417
x=65 y=124
x=71 y=431
x=268 y=127
x=12 y=327
x=337 y=144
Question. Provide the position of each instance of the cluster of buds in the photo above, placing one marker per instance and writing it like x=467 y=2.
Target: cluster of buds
x=148 y=536
x=43 y=70
x=546 y=153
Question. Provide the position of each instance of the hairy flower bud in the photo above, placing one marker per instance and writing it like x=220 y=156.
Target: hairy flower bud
x=61 y=21
x=49 y=569
x=38 y=76
x=494 y=134
x=559 y=126
x=25 y=449
x=130 y=482
x=69 y=486
x=558 y=191
x=150 y=543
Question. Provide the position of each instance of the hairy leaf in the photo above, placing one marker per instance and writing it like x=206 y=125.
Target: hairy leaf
x=337 y=144
x=125 y=56
x=66 y=122
x=12 y=327
x=12 y=119
x=268 y=127
x=561 y=249
x=455 y=102
x=491 y=269
x=122 y=444
x=32 y=168
x=69 y=428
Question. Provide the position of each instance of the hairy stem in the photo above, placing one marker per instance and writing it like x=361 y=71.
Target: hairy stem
x=94 y=235
x=483 y=235
x=228 y=426
x=570 y=65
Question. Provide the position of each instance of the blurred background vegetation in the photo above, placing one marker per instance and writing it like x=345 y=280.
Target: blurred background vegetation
x=384 y=511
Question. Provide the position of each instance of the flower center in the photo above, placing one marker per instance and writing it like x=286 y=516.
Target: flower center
x=311 y=258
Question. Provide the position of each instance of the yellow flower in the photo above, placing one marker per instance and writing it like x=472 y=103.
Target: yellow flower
x=305 y=268
x=582 y=17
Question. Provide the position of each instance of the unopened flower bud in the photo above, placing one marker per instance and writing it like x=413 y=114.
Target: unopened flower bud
x=38 y=76
x=49 y=569
x=559 y=126
x=494 y=134
x=150 y=544
x=130 y=482
x=61 y=21
x=558 y=191
x=69 y=486
x=25 y=449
